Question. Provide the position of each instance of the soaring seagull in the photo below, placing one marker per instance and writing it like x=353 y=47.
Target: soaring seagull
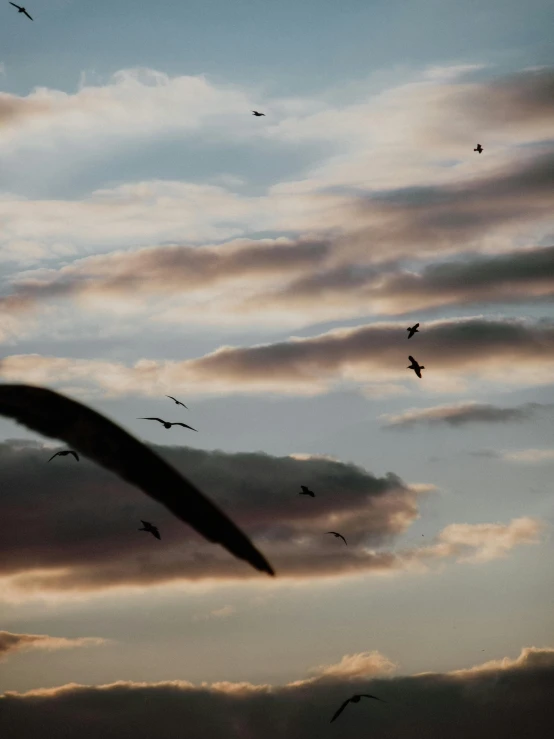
x=64 y=454
x=479 y=148
x=306 y=491
x=354 y=699
x=101 y=440
x=21 y=10
x=255 y=112
x=413 y=330
x=337 y=536
x=151 y=528
x=176 y=401
x=415 y=366
x=167 y=424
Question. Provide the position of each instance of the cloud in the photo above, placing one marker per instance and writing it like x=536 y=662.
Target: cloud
x=501 y=699
x=529 y=456
x=356 y=666
x=460 y=414
x=10 y=643
x=455 y=352
x=217 y=613
x=76 y=529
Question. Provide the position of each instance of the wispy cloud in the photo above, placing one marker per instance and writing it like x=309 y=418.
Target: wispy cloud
x=529 y=456
x=10 y=643
x=460 y=414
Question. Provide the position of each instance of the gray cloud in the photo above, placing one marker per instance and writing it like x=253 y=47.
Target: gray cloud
x=461 y=414
x=498 y=699
x=76 y=526
x=16 y=642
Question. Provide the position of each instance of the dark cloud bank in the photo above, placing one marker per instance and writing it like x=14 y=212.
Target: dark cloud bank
x=501 y=701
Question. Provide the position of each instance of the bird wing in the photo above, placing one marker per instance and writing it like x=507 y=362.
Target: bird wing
x=417 y=325
x=341 y=709
x=74 y=454
x=304 y=488
x=333 y=532
x=156 y=533
x=144 y=523
x=183 y=424
x=367 y=695
x=412 y=360
x=56 y=454
x=172 y=398
x=418 y=371
x=101 y=440
x=342 y=537
x=148 y=418
x=15 y=6
x=27 y=14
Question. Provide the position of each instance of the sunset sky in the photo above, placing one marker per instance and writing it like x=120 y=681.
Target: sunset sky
x=157 y=239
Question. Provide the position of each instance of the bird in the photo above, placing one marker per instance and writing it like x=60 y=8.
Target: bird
x=306 y=491
x=337 y=536
x=21 y=10
x=176 y=401
x=104 y=442
x=415 y=366
x=151 y=528
x=167 y=424
x=413 y=330
x=255 y=112
x=354 y=699
x=479 y=148
x=63 y=454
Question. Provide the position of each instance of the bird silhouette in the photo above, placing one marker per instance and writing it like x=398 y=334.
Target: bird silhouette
x=354 y=699
x=21 y=10
x=167 y=424
x=176 y=401
x=255 y=112
x=306 y=491
x=413 y=330
x=337 y=536
x=101 y=440
x=151 y=528
x=479 y=148
x=64 y=454
x=415 y=366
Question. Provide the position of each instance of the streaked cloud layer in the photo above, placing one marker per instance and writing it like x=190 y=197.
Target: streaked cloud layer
x=461 y=414
x=10 y=643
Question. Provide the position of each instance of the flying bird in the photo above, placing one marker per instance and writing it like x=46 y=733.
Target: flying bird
x=415 y=366
x=151 y=528
x=255 y=112
x=354 y=699
x=101 y=440
x=21 y=10
x=413 y=330
x=479 y=148
x=64 y=454
x=306 y=491
x=167 y=424
x=337 y=536
x=177 y=401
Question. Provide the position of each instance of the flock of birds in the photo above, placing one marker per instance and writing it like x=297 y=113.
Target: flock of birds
x=107 y=444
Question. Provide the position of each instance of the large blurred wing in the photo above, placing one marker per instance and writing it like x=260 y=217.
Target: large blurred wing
x=366 y=695
x=341 y=709
x=104 y=442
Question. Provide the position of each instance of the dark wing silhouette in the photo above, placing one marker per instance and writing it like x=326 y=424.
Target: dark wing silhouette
x=156 y=533
x=342 y=537
x=185 y=425
x=412 y=360
x=341 y=709
x=74 y=454
x=416 y=326
x=27 y=14
x=304 y=488
x=56 y=454
x=366 y=695
x=16 y=6
x=150 y=419
x=56 y=416
x=417 y=370
x=144 y=523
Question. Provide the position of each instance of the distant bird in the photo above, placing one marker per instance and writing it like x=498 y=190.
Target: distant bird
x=354 y=699
x=151 y=528
x=101 y=440
x=415 y=366
x=63 y=454
x=337 y=536
x=177 y=401
x=413 y=330
x=21 y=10
x=306 y=491
x=479 y=148
x=167 y=424
x=255 y=112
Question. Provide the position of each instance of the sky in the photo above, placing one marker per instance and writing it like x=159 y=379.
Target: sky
x=158 y=239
